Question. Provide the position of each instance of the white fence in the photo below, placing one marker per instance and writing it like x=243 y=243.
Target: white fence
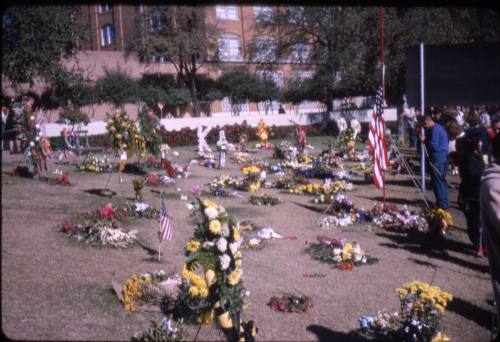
x=252 y=119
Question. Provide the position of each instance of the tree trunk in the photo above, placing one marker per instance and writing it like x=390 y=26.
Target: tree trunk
x=194 y=96
x=329 y=100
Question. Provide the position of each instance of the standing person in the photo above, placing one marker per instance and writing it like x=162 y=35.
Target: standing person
x=13 y=130
x=490 y=220
x=410 y=124
x=474 y=127
x=5 y=110
x=437 y=148
x=301 y=138
x=471 y=168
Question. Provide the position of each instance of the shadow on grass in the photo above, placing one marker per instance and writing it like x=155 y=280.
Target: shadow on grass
x=471 y=312
x=310 y=207
x=324 y=334
x=101 y=192
x=397 y=200
x=432 y=248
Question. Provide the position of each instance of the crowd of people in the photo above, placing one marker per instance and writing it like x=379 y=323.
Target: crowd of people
x=466 y=143
x=457 y=140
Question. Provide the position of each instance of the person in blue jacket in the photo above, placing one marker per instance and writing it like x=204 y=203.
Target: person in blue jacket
x=436 y=144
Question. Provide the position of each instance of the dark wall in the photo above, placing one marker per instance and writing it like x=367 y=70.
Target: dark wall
x=455 y=75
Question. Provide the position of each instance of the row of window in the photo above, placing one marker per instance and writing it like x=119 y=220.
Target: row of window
x=266 y=50
x=261 y=13
x=230 y=47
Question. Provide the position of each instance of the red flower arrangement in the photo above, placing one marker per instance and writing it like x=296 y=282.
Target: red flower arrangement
x=152 y=179
x=346 y=266
x=288 y=302
x=61 y=180
x=67 y=227
x=107 y=212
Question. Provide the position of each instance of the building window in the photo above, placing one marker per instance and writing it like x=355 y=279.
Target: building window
x=159 y=59
x=156 y=21
x=229 y=48
x=263 y=13
x=107 y=35
x=300 y=52
x=302 y=75
x=227 y=12
x=296 y=14
x=105 y=8
x=275 y=76
x=266 y=49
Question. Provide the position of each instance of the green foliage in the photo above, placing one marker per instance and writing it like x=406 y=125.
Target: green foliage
x=74 y=116
x=116 y=87
x=36 y=40
x=345 y=43
x=180 y=34
x=68 y=88
x=159 y=332
x=149 y=127
x=239 y=85
x=187 y=308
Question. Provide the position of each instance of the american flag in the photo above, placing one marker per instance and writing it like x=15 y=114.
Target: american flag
x=165 y=232
x=376 y=141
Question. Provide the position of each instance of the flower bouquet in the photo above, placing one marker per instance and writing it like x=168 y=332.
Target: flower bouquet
x=439 y=220
x=392 y=218
x=142 y=292
x=346 y=143
x=266 y=200
x=123 y=130
x=285 y=150
x=140 y=210
x=288 y=302
x=164 y=330
x=92 y=163
x=339 y=253
x=100 y=228
x=419 y=318
x=61 y=180
x=220 y=185
x=249 y=238
x=212 y=284
x=251 y=179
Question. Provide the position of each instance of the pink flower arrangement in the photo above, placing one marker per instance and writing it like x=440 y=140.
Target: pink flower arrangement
x=107 y=212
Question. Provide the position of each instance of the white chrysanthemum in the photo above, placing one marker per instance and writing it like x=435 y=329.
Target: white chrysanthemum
x=32 y=144
x=208 y=244
x=337 y=258
x=224 y=261
x=357 y=257
x=211 y=213
x=337 y=251
x=222 y=244
x=225 y=230
x=233 y=247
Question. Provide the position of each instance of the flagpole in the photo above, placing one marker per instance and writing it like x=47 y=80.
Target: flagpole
x=159 y=244
x=383 y=81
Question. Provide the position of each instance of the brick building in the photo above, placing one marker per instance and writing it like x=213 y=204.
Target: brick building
x=110 y=27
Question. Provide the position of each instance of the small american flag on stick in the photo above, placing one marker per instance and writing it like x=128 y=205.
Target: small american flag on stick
x=376 y=141
x=165 y=232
